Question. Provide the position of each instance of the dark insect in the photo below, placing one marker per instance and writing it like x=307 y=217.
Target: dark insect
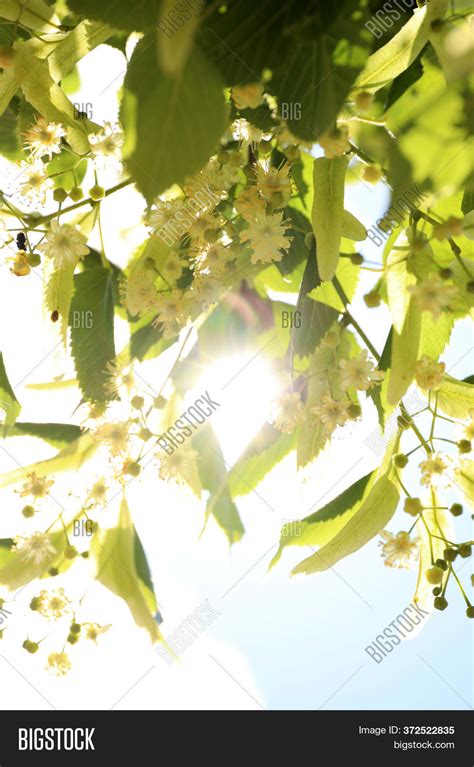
x=55 y=316
x=21 y=241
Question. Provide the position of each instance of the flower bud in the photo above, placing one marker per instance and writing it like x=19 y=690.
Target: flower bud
x=96 y=192
x=413 y=506
x=30 y=646
x=434 y=575
x=372 y=299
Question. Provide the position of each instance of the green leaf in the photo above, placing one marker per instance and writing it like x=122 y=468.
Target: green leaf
x=58 y=435
x=374 y=513
x=328 y=206
x=347 y=274
x=9 y=143
x=464 y=481
x=78 y=43
x=9 y=85
x=148 y=342
x=174 y=48
x=92 y=331
x=48 y=99
x=316 y=317
x=323 y=377
x=177 y=122
x=70 y=458
x=352 y=229
x=435 y=334
x=58 y=289
x=9 y=405
x=322 y=525
x=297 y=252
x=455 y=398
x=66 y=172
x=378 y=393
x=399 y=279
x=261 y=455
x=404 y=81
x=114 y=552
x=16 y=570
x=468 y=197
x=317 y=78
x=247 y=38
x=395 y=57
x=405 y=347
x=214 y=478
x=136 y=16
x=35 y=14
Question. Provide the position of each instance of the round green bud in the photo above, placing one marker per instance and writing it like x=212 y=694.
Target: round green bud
x=73 y=638
x=464 y=446
x=85 y=555
x=76 y=194
x=440 y=603
x=70 y=552
x=28 y=511
x=75 y=628
x=34 y=259
x=470 y=611
x=450 y=554
x=357 y=259
x=133 y=468
x=363 y=100
x=53 y=571
x=309 y=240
x=145 y=434
x=137 y=402
x=456 y=509
x=400 y=460
x=437 y=591
x=355 y=411
x=160 y=402
x=35 y=603
x=292 y=153
x=30 y=646
x=434 y=575
x=445 y=274
x=372 y=299
x=441 y=563
x=96 y=192
x=413 y=506
x=465 y=550
x=60 y=195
